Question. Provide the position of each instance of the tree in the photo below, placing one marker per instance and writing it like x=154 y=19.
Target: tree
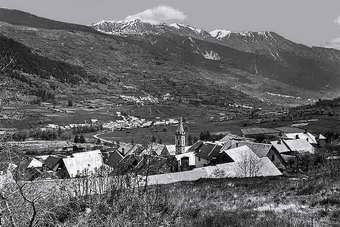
x=76 y=139
x=98 y=141
x=250 y=165
x=82 y=139
x=153 y=139
x=205 y=136
x=69 y=102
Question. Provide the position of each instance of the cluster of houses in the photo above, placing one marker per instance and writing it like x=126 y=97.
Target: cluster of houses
x=237 y=155
x=129 y=122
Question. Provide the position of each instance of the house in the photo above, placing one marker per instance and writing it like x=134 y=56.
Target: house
x=189 y=160
x=305 y=135
x=321 y=139
x=293 y=146
x=128 y=163
x=265 y=150
x=81 y=164
x=112 y=157
x=52 y=163
x=124 y=148
x=211 y=152
x=151 y=165
x=241 y=153
x=136 y=150
x=35 y=163
x=231 y=138
x=156 y=150
x=231 y=170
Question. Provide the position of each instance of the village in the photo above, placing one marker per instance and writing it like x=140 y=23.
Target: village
x=257 y=152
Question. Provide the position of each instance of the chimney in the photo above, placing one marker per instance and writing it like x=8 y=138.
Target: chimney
x=279 y=141
x=305 y=131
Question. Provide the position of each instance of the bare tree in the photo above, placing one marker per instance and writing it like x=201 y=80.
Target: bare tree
x=250 y=166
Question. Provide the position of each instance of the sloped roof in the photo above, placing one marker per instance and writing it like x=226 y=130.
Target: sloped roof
x=233 y=169
x=322 y=137
x=35 y=163
x=136 y=149
x=266 y=168
x=124 y=148
x=299 y=145
x=84 y=163
x=169 y=178
x=260 y=149
x=205 y=150
x=171 y=149
x=113 y=158
x=154 y=149
x=239 y=154
x=306 y=136
x=258 y=131
x=228 y=138
x=52 y=161
x=281 y=147
x=156 y=165
x=196 y=146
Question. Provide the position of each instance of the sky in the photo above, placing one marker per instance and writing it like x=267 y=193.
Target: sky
x=311 y=22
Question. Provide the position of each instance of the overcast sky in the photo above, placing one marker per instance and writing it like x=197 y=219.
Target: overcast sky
x=312 y=22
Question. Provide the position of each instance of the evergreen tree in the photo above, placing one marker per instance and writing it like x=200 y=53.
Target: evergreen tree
x=76 y=139
x=153 y=139
x=82 y=139
x=98 y=141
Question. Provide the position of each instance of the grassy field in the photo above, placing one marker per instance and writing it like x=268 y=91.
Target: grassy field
x=278 y=201
x=166 y=133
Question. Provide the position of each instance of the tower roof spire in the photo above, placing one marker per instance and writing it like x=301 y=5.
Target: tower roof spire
x=180 y=128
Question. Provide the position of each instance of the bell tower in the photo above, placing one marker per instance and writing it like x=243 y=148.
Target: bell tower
x=180 y=138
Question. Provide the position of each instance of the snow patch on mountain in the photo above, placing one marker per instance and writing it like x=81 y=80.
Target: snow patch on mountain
x=182 y=26
x=211 y=55
x=220 y=33
x=175 y=25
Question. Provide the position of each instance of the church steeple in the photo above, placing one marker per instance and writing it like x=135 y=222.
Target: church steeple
x=180 y=138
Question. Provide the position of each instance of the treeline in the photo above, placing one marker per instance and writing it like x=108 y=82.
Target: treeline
x=207 y=136
x=52 y=134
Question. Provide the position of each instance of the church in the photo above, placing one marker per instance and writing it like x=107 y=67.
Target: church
x=180 y=138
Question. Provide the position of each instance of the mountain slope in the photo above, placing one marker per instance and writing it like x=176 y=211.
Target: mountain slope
x=123 y=66
x=26 y=61
x=264 y=53
x=17 y=17
x=271 y=44
x=184 y=61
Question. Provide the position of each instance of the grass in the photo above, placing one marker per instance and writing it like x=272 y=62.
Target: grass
x=220 y=202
